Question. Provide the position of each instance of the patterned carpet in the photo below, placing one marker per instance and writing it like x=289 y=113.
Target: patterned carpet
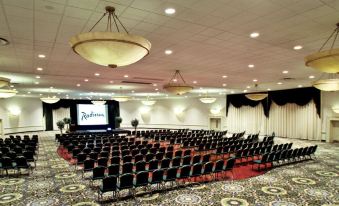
x=54 y=182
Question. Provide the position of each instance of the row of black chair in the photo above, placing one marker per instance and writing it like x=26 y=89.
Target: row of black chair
x=130 y=181
x=285 y=156
x=20 y=162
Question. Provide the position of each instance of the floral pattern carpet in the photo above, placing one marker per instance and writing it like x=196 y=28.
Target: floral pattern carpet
x=54 y=182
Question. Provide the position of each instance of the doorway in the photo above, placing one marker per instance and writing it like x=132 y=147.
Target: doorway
x=215 y=123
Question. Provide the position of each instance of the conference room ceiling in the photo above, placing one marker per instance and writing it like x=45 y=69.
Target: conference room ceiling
x=209 y=40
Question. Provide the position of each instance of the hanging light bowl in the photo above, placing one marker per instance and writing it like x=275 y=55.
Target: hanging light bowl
x=112 y=49
x=7 y=93
x=98 y=102
x=148 y=102
x=4 y=82
x=328 y=60
x=50 y=100
x=327 y=84
x=121 y=98
x=207 y=100
x=256 y=96
x=174 y=86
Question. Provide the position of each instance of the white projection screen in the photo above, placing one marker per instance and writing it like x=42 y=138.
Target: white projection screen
x=90 y=114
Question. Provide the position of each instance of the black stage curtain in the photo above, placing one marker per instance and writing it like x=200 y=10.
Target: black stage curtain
x=300 y=97
x=113 y=111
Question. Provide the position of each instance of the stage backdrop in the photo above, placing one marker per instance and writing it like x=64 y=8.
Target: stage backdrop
x=50 y=109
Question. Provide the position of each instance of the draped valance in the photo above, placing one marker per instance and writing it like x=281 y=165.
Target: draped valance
x=301 y=97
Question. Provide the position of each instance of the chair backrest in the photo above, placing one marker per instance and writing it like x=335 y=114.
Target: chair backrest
x=206 y=158
x=171 y=174
x=99 y=171
x=185 y=171
x=149 y=157
x=169 y=155
x=219 y=165
x=157 y=176
x=138 y=157
x=153 y=164
x=29 y=155
x=197 y=169
x=165 y=163
x=187 y=152
x=186 y=160
x=230 y=164
x=81 y=157
x=126 y=181
x=127 y=158
x=141 y=178
x=208 y=167
x=89 y=164
x=114 y=169
x=176 y=161
x=115 y=160
x=196 y=159
x=127 y=167
x=140 y=166
x=102 y=161
x=21 y=161
x=178 y=153
x=109 y=183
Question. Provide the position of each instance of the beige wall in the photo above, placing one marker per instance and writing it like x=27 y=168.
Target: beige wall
x=328 y=100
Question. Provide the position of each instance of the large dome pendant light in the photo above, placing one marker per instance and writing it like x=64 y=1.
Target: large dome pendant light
x=112 y=49
x=329 y=84
x=50 y=100
x=328 y=60
x=256 y=96
x=174 y=85
x=6 y=93
x=121 y=97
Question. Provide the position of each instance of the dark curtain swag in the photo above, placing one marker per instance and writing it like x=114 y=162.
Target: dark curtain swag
x=300 y=97
x=113 y=111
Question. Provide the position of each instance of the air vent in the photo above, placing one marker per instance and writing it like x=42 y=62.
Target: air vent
x=148 y=79
x=288 y=78
x=135 y=82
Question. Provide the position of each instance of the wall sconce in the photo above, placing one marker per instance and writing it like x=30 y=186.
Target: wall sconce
x=179 y=110
x=335 y=109
x=144 y=109
x=15 y=111
x=215 y=110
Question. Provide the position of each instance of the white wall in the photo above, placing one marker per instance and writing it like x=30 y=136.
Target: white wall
x=328 y=100
x=30 y=118
x=195 y=114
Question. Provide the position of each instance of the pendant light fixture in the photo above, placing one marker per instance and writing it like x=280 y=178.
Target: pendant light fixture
x=50 y=100
x=328 y=84
x=258 y=96
x=98 y=102
x=328 y=60
x=207 y=99
x=6 y=93
x=121 y=97
x=148 y=102
x=107 y=48
x=176 y=86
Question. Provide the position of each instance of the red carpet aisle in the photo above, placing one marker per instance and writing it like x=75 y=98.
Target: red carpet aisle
x=54 y=182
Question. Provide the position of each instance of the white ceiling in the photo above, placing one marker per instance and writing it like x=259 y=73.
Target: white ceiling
x=209 y=39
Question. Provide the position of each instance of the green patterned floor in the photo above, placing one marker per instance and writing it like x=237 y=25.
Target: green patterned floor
x=54 y=182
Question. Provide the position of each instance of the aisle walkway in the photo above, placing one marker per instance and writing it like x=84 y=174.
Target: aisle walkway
x=54 y=182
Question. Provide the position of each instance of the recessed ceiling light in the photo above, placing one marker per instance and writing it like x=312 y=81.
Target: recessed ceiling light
x=168 y=51
x=224 y=76
x=28 y=92
x=58 y=92
x=126 y=76
x=250 y=66
x=300 y=85
x=3 y=42
x=97 y=74
x=41 y=56
x=245 y=90
x=111 y=82
x=86 y=80
x=12 y=86
x=268 y=89
x=297 y=47
x=224 y=85
x=40 y=94
x=78 y=85
x=36 y=82
x=194 y=82
x=174 y=80
x=232 y=92
x=285 y=72
x=279 y=83
x=133 y=91
x=39 y=69
x=51 y=87
x=255 y=80
x=170 y=11
x=248 y=87
x=156 y=89
x=38 y=77
x=311 y=77
x=154 y=85
x=254 y=34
